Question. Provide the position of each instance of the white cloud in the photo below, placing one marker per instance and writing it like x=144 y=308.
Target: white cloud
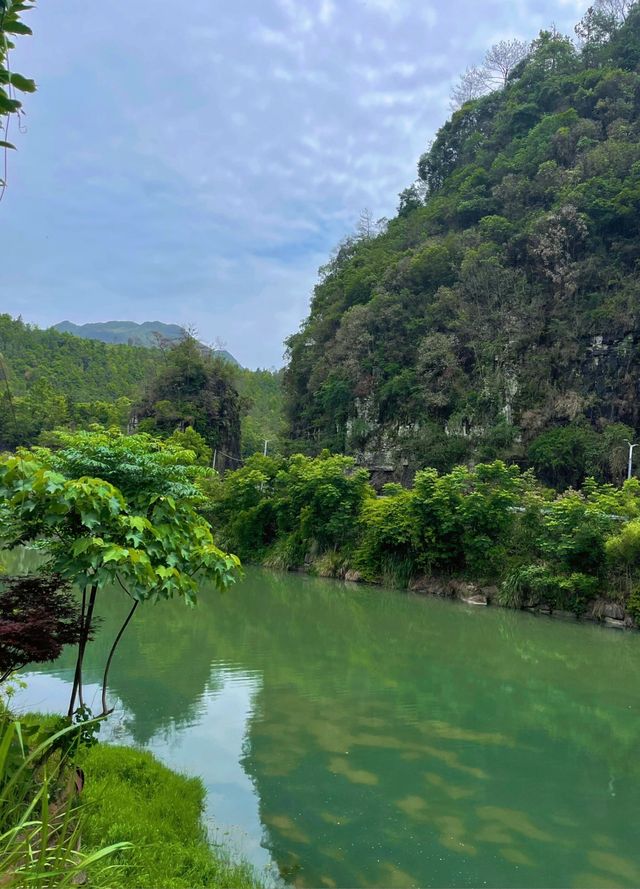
x=397 y=10
x=299 y=16
x=327 y=12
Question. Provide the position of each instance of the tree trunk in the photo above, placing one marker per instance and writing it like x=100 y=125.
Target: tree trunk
x=86 y=629
x=105 y=710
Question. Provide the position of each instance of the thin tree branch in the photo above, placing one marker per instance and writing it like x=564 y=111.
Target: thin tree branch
x=123 y=586
x=105 y=710
x=76 y=675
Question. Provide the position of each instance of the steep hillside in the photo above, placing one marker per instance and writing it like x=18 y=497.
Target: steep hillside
x=497 y=314
x=148 y=333
x=83 y=370
x=56 y=379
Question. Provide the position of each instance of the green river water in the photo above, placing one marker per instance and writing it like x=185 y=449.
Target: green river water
x=354 y=736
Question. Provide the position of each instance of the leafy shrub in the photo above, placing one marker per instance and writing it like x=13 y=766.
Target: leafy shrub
x=330 y=564
x=536 y=585
x=40 y=819
x=316 y=502
x=38 y=617
x=387 y=537
x=574 y=533
x=633 y=605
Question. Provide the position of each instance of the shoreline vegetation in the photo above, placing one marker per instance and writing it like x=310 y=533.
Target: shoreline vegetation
x=132 y=797
x=143 y=517
x=487 y=534
x=602 y=611
x=80 y=812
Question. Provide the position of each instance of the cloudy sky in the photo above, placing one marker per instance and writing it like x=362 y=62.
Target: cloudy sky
x=195 y=163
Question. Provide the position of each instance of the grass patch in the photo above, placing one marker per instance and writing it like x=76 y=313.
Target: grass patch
x=132 y=797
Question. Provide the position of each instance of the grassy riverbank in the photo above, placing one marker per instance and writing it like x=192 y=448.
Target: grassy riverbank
x=136 y=824
x=130 y=796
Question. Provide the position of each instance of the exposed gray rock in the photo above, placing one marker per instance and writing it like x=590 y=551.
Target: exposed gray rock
x=564 y=615
x=353 y=576
x=477 y=599
x=613 y=610
x=614 y=624
x=491 y=592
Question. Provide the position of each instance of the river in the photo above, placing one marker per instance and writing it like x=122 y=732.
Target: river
x=356 y=736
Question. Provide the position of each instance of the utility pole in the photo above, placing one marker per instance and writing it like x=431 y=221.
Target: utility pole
x=266 y=442
x=630 y=464
x=215 y=457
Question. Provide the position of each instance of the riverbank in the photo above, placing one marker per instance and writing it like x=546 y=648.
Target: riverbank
x=576 y=552
x=607 y=612
x=74 y=811
x=131 y=797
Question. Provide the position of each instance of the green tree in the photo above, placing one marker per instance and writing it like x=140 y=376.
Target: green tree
x=564 y=456
x=241 y=506
x=320 y=500
x=190 y=440
x=194 y=388
x=112 y=512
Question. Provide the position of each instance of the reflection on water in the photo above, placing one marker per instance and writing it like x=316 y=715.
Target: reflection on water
x=357 y=737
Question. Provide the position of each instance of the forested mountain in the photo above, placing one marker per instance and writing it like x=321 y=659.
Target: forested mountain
x=84 y=370
x=148 y=333
x=497 y=313
x=50 y=379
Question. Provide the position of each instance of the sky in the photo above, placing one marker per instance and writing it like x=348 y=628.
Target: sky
x=196 y=163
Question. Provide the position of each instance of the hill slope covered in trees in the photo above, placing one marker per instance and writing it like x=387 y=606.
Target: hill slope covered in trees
x=497 y=314
x=147 y=333
x=50 y=379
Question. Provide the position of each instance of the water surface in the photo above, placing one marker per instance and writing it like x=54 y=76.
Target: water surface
x=352 y=736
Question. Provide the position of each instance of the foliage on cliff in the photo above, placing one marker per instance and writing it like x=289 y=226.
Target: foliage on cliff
x=501 y=303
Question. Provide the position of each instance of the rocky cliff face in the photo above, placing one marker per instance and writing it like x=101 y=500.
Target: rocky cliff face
x=601 y=386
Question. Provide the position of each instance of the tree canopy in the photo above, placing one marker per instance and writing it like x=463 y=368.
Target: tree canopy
x=135 y=527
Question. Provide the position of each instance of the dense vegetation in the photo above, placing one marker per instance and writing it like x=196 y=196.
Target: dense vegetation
x=491 y=524
x=79 y=369
x=196 y=390
x=50 y=380
x=113 y=513
x=497 y=314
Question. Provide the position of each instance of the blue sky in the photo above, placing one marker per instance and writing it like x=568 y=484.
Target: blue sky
x=195 y=163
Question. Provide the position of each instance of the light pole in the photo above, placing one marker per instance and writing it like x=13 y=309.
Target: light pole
x=630 y=464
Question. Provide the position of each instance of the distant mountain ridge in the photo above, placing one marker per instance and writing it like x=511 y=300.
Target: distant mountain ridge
x=130 y=333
